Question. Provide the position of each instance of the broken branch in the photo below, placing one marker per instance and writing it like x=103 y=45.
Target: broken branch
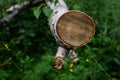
x=16 y=9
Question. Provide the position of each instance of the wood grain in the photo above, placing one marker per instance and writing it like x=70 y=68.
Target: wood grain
x=75 y=28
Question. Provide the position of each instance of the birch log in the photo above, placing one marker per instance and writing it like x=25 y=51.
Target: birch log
x=58 y=10
x=71 y=29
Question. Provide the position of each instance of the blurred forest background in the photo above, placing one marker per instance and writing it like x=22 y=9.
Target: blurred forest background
x=27 y=47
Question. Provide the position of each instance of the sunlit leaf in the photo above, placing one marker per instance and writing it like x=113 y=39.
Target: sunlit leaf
x=36 y=12
x=47 y=11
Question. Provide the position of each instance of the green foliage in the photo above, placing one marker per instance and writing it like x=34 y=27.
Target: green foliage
x=3 y=74
x=36 y=12
x=27 y=47
x=47 y=11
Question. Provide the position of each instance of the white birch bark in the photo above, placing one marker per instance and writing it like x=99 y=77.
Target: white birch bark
x=58 y=10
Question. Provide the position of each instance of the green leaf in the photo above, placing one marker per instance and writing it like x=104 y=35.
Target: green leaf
x=4 y=13
x=56 y=1
x=117 y=61
x=47 y=11
x=4 y=73
x=37 y=12
x=76 y=7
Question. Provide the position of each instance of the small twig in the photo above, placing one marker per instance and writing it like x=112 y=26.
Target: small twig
x=101 y=67
x=6 y=62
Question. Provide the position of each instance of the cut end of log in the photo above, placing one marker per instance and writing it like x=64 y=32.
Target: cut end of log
x=58 y=62
x=75 y=28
